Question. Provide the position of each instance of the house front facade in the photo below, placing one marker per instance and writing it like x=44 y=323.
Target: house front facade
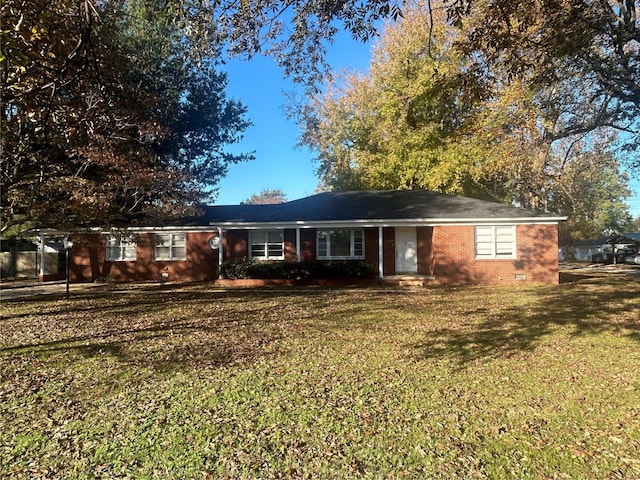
x=448 y=239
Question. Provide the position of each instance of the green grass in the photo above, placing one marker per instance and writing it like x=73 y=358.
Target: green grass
x=470 y=382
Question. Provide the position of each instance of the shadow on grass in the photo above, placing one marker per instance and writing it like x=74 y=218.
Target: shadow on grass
x=162 y=328
x=172 y=328
x=589 y=306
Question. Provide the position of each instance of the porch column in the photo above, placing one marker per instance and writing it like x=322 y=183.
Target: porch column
x=220 y=253
x=298 y=255
x=380 y=254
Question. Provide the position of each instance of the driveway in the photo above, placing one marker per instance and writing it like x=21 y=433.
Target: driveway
x=621 y=268
x=30 y=288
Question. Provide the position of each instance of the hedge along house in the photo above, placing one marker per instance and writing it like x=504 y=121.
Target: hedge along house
x=448 y=239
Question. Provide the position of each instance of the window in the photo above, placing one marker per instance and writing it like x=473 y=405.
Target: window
x=121 y=248
x=340 y=244
x=170 y=246
x=496 y=241
x=267 y=244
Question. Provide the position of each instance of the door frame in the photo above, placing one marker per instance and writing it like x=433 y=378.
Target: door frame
x=405 y=238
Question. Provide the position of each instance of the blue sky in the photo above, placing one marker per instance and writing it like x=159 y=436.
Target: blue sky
x=260 y=85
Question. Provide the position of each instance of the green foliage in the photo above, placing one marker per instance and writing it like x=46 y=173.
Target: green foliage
x=266 y=197
x=592 y=46
x=438 y=383
x=592 y=195
x=110 y=111
x=404 y=124
x=414 y=122
x=336 y=269
x=633 y=225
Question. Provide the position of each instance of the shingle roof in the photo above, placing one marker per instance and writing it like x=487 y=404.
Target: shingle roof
x=374 y=205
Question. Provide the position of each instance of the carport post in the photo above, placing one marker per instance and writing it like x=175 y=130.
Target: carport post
x=220 y=253
x=380 y=253
x=41 y=257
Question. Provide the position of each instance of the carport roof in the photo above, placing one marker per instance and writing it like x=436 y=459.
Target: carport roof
x=623 y=238
x=374 y=206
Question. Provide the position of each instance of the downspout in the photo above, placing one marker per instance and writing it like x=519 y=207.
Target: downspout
x=298 y=255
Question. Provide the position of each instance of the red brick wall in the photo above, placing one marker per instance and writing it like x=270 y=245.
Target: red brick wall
x=308 y=244
x=371 y=246
x=536 y=259
x=389 y=250
x=88 y=261
x=236 y=244
x=446 y=252
x=290 y=251
x=424 y=237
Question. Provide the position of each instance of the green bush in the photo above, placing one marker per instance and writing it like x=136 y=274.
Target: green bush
x=338 y=269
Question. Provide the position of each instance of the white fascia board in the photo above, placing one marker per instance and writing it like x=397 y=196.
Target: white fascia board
x=189 y=229
x=51 y=231
x=430 y=222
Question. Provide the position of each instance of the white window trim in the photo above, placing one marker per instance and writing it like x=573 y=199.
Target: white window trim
x=172 y=257
x=124 y=242
x=351 y=256
x=266 y=256
x=493 y=254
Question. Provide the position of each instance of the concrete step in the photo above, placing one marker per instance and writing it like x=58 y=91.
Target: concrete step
x=407 y=280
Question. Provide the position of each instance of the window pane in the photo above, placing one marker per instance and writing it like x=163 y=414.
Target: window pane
x=275 y=250
x=179 y=253
x=358 y=243
x=121 y=248
x=162 y=240
x=130 y=251
x=504 y=249
x=322 y=244
x=276 y=236
x=484 y=251
x=258 y=237
x=258 y=250
x=504 y=241
x=340 y=242
x=162 y=253
x=179 y=240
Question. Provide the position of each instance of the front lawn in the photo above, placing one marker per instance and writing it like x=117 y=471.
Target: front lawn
x=466 y=382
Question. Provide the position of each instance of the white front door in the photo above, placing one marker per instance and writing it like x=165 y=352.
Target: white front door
x=406 y=250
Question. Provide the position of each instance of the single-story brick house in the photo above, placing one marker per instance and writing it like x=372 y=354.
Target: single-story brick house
x=449 y=239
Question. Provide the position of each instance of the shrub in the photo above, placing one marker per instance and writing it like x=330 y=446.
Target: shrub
x=339 y=269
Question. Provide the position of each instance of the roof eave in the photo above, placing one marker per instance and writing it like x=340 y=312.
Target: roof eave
x=387 y=222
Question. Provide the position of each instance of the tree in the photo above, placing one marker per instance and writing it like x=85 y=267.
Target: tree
x=110 y=112
x=633 y=225
x=591 y=190
x=266 y=197
x=596 y=43
x=408 y=124
x=594 y=40
x=404 y=125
